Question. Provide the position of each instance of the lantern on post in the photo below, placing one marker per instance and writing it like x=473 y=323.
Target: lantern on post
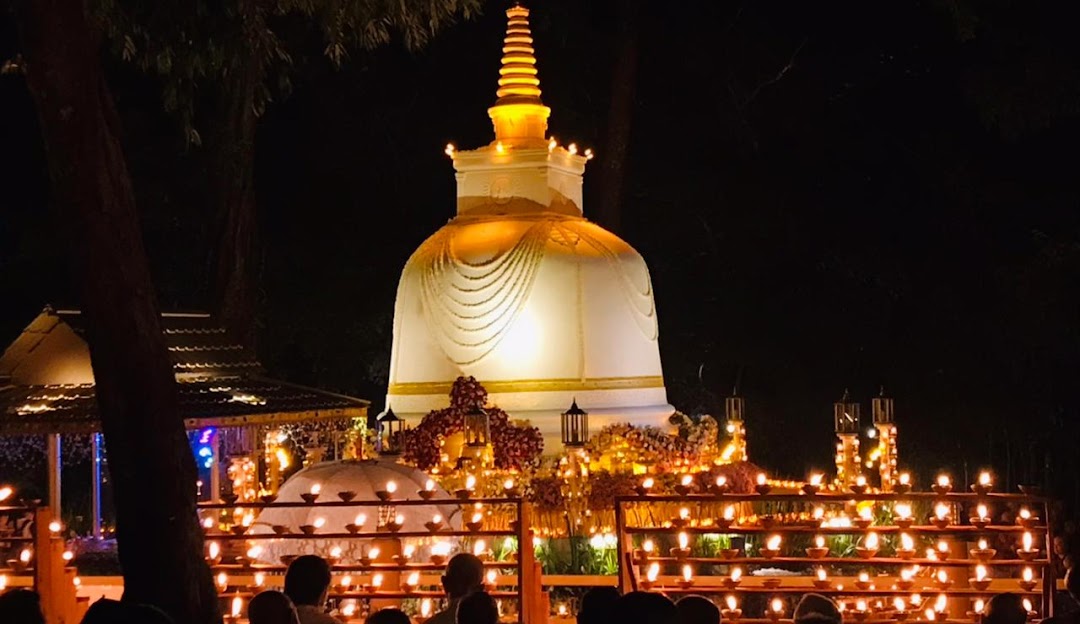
x=477 y=431
x=846 y=417
x=575 y=426
x=391 y=428
x=885 y=423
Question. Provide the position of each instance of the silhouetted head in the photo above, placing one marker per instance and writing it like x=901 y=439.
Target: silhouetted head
x=464 y=575
x=106 y=611
x=597 y=605
x=21 y=606
x=1005 y=609
x=477 y=608
x=272 y=607
x=816 y=609
x=644 y=608
x=1072 y=583
x=307 y=580
x=388 y=615
x=696 y=610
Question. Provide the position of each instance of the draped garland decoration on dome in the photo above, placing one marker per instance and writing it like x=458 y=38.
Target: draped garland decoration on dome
x=515 y=447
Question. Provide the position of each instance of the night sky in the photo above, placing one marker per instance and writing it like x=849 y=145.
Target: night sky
x=829 y=195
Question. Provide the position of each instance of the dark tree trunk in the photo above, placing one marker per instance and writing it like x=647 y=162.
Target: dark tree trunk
x=620 y=114
x=231 y=155
x=150 y=462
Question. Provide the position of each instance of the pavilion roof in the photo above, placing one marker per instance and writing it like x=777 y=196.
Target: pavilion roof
x=46 y=382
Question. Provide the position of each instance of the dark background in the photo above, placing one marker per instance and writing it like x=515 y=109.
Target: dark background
x=829 y=195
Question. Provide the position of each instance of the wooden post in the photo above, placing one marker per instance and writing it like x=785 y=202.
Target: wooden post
x=52 y=579
x=215 y=467
x=533 y=606
x=53 y=451
x=95 y=484
x=624 y=545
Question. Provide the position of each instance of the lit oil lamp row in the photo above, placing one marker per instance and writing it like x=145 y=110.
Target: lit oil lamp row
x=388 y=492
x=439 y=553
x=942 y=518
x=867 y=548
x=392 y=524
x=349 y=584
x=347 y=610
x=815 y=483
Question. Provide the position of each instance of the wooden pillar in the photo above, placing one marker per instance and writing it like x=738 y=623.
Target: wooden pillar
x=95 y=485
x=53 y=459
x=215 y=467
x=53 y=580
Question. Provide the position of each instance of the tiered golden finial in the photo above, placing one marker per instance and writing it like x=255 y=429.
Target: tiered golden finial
x=519 y=116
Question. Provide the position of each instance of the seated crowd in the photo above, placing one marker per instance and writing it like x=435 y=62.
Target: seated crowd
x=307 y=588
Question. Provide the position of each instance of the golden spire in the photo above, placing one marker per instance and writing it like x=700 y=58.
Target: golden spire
x=520 y=118
x=518 y=82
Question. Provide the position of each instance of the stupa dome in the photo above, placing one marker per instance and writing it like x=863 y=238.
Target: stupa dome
x=364 y=477
x=522 y=292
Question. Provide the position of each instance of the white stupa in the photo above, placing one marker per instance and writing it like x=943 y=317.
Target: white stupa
x=521 y=291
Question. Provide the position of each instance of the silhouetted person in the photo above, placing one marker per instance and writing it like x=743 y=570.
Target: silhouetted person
x=307 y=583
x=696 y=610
x=464 y=575
x=1005 y=609
x=816 y=609
x=388 y=615
x=597 y=605
x=643 y=608
x=106 y=611
x=478 y=608
x=21 y=606
x=1072 y=587
x=272 y=607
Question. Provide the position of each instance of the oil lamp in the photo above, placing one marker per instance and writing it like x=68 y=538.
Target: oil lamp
x=776 y=609
x=819 y=549
x=1027 y=579
x=982 y=551
x=651 y=575
x=821 y=579
x=772 y=547
x=942 y=579
x=645 y=487
x=907 y=579
x=940 y=519
x=1027 y=551
x=687 y=577
x=903 y=517
x=943 y=485
x=732 y=611
x=682 y=551
x=981 y=517
x=733 y=579
x=903 y=483
x=980 y=581
x=685 y=485
x=984 y=484
x=762 y=484
x=863 y=580
x=870 y=546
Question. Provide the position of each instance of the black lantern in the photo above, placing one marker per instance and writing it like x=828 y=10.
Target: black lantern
x=846 y=414
x=390 y=433
x=575 y=426
x=882 y=409
x=477 y=428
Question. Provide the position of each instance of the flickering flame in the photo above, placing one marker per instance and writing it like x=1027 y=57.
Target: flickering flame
x=316 y=488
x=1028 y=540
x=942 y=576
x=721 y=481
x=905 y=478
x=260 y=579
x=732 y=604
x=773 y=542
x=572 y=148
x=899 y=604
x=822 y=575
x=941 y=510
x=436 y=519
x=907 y=574
x=860 y=481
x=687 y=480
x=931 y=554
x=729 y=512
x=761 y=478
x=860 y=605
x=346 y=581
x=208 y=523
x=819 y=513
x=255 y=551
x=819 y=541
x=492 y=576
x=647 y=546
x=373 y=553
x=980 y=606
x=903 y=510
x=425 y=608
x=479 y=547
x=929 y=615
x=359 y=520
x=478 y=517
x=508 y=484
x=6 y=492
x=984 y=479
x=736 y=574
x=470 y=482
x=237 y=606
x=414 y=579
x=906 y=543
x=1028 y=606
x=55 y=526
x=980 y=572
x=399 y=519
x=687 y=573
x=982 y=544
x=248 y=519
x=213 y=550
x=815 y=479
x=429 y=485
x=916 y=600
x=376 y=580
x=944 y=481
x=449 y=151
x=653 y=572
x=561 y=610
x=981 y=511
x=864 y=577
x=941 y=603
x=348 y=609
x=24 y=555
x=319 y=523
x=222 y=580
x=391 y=487
x=499 y=148
x=871 y=541
x=684 y=540
x=943 y=547
x=552 y=144
x=777 y=606
x=684 y=513
x=68 y=555
x=647 y=483
x=335 y=552
x=441 y=549
x=1028 y=575
x=1025 y=513
x=408 y=551
x=866 y=514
